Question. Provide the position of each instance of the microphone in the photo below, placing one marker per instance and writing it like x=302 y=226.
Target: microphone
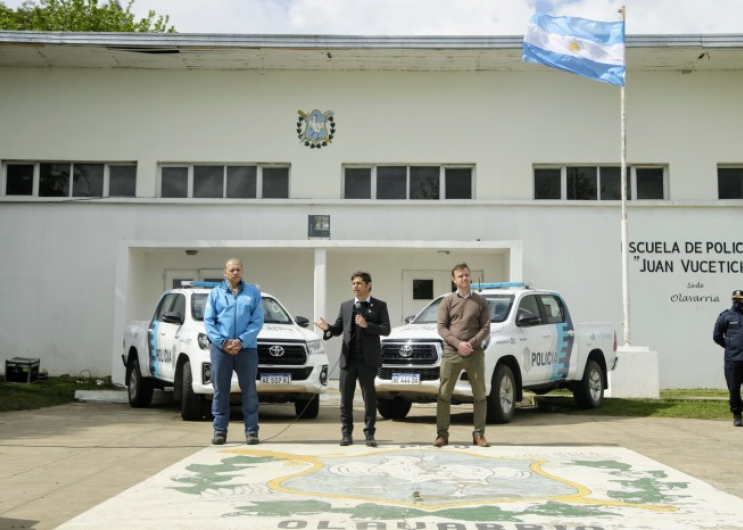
x=357 y=306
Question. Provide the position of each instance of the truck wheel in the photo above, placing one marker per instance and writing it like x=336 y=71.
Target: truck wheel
x=394 y=409
x=140 y=388
x=192 y=405
x=307 y=408
x=502 y=398
x=589 y=391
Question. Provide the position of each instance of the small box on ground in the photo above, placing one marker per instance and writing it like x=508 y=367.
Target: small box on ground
x=22 y=370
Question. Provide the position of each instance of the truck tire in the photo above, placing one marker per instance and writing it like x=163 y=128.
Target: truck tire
x=307 y=408
x=589 y=391
x=394 y=409
x=192 y=404
x=502 y=398
x=140 y=388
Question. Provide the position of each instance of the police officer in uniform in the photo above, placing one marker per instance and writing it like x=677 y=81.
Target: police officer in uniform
x=729 y=334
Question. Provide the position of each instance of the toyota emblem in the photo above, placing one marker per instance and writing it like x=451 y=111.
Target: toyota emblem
x=276 y=351
x=406 y=351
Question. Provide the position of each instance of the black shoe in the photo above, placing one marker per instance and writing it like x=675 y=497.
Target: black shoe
x=737 y=420
x=346 y=440
x=219 y=438
x=370 y=441
x=252 y=439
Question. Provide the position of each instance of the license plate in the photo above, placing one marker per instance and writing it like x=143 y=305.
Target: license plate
x=276 y=379
x=406 y=379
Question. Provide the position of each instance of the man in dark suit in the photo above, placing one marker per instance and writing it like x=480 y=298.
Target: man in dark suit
x=361 y=321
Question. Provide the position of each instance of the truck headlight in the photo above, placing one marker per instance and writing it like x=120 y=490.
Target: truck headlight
x=315 y=346
x=203 y=341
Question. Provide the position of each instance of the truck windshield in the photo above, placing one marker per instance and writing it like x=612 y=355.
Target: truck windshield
x=499 y=305
x=273 y=311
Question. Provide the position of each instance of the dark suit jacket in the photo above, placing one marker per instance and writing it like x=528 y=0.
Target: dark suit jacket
x=378 y=320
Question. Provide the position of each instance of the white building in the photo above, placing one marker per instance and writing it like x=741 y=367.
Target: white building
x=120 y=155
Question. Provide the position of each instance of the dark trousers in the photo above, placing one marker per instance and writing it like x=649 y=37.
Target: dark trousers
x=354 y=370
x=734 y=378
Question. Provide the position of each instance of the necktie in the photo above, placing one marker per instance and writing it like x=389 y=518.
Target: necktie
x=358 y=310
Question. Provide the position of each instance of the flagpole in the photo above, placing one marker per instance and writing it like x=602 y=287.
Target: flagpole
x=625 y=245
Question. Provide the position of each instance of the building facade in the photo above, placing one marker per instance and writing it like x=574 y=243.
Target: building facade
x=131 y=162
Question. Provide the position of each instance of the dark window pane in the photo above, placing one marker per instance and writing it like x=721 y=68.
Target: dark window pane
x=208 y=182
x=241 y=182
x=458 y=183
x=649 y=183
x=175 y=183
x=357 y=183
x=730 y=182
x=547 y=184
x=87 y=180
x=275 y=182
x=391 y=182
x=422 y=289
x=424 y=182
x=581 y=183
x=611 y=178
x=19 y=179
x=122 y=181
x=54 y=180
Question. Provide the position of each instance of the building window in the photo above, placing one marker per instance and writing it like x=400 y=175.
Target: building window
x=408 y=182
x=70 y=179
x=422 y=289
x=19 y=179
x=603 y=183
x=223 y=182
x=730 y=182
x=122 y=181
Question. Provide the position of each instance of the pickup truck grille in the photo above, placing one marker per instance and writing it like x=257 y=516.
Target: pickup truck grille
x=427 y=374
x=298 y=374
x=292 y=353
x=416 y=353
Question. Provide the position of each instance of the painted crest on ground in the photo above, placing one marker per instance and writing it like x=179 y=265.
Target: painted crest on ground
x=322 y=486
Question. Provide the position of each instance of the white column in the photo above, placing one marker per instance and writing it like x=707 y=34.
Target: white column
x=320 y=283
x=121 y=290
x=516 y=262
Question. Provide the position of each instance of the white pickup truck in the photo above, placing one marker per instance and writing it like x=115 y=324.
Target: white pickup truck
x=533 y=345
x=172 y=350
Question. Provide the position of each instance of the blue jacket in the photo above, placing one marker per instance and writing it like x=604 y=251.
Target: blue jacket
x=729 y=334
x=228 y=316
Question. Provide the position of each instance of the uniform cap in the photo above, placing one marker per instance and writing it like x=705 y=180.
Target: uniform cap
x=738 y=295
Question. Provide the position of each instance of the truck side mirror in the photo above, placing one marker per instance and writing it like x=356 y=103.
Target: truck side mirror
x=302 y=321
x=173 y=318
x=528 y=319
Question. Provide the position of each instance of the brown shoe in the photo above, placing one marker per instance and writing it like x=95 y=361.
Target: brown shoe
x=441 y=441
x=479 y=440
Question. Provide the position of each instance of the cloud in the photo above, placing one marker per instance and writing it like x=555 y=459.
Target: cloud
x=433 y=17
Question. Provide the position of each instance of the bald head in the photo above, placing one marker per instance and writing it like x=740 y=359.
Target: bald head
x=233 y=271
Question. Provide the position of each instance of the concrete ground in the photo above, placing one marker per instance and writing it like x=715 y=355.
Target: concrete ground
x=59 y=462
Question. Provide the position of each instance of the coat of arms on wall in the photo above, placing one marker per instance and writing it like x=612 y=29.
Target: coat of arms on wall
x=316 y=129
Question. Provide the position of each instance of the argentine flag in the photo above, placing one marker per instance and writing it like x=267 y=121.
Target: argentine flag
x=585 y=47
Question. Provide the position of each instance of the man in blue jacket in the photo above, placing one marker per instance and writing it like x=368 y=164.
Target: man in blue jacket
x=233 y=316
x=729 y=334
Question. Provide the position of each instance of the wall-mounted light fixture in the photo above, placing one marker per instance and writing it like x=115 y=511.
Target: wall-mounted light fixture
x=318 y=226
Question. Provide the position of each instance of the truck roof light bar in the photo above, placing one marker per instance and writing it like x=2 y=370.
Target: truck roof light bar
x=208 y=285
x=501 y=285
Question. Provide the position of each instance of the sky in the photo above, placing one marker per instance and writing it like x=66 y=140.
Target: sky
x=433 y=17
